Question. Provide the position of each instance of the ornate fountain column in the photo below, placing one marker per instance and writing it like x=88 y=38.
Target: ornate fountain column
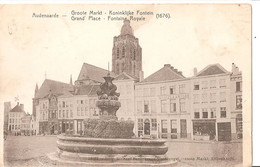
x=108 y=141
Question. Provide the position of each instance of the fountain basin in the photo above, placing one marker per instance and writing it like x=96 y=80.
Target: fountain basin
x=82 y=151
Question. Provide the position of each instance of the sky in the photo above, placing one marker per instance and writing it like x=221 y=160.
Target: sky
x=196 y=35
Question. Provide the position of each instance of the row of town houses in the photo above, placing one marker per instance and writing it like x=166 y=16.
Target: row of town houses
x=166 y=104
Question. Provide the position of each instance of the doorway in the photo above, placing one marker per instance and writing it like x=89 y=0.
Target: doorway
x=147 y=127
x=183 y=125
x=224 y=131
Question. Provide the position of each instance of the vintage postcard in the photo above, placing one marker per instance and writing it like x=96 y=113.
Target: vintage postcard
x=125 y=85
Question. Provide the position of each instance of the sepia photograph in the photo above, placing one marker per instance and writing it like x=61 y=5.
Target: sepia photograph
x=125 y=85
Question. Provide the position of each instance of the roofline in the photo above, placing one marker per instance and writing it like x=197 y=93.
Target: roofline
x=217 y=64
x=208 y=76
x=188 y=78
x=156 y=82
x=167 y=69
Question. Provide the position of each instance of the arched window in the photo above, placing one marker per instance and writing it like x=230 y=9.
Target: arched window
x=117 y=53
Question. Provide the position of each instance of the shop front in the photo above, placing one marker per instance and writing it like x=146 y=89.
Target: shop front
x=66 y=126
x=204 y=129
x=147 y=128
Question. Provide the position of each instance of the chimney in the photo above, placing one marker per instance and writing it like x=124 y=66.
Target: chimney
x=22 y=106
x=167 y=65
x=71 y=80
x=141 y=76
x=235 y=69
x=195 y=71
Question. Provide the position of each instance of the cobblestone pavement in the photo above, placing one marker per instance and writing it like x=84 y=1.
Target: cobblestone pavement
x=20 y=151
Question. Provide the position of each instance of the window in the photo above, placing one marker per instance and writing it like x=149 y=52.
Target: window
x=213 y=84
x=196 y=114
x=174 y=128
x=146 y=92
x=196 y=86
x=213 y=97
x=239 y=102
x=153 y=91
x=164 y=126
x=182 y=88
x=82 y=111
x=146 y=106
x=238 y=86
x=213 y=113
x=204 y=113
x=139 y=106
x=172 y=106
x=140 y=124
x=223 y=113
x=172 y=90
x=163 y=106
x=154 y=124
x=204 y=98
x=81 y=101
x=134 y=55
x=222 y=96
x=204 y=84
x=222 y=83
x=182 y=105
x=153 y=106
x=63 y=104
x=196 y=98
x=67 y=114
x=78 y=111
x=71 y=114
x=163 y=90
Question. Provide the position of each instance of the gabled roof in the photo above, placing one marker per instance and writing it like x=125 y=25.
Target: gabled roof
x=164 y=74
x=91 y=72
x=54 y=87
x=87 y=90
x=212 y=69
x=17 y=108
x=125 y=76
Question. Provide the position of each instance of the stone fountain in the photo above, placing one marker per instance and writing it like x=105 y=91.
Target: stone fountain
x=108 y=141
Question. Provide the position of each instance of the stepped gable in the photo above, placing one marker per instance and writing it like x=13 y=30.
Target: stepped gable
x=55 y=87
x=212 y=69
x=91 y=72
x=164 y=74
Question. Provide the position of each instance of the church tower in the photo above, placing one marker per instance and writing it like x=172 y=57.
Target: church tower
x=127 y=53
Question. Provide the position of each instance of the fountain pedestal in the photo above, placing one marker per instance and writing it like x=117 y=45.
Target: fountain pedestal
x=108 y=141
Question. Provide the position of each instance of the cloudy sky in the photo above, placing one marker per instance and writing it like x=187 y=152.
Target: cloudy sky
x=194 y=36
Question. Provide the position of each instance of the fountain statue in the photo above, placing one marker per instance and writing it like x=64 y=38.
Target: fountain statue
x=108 y=141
